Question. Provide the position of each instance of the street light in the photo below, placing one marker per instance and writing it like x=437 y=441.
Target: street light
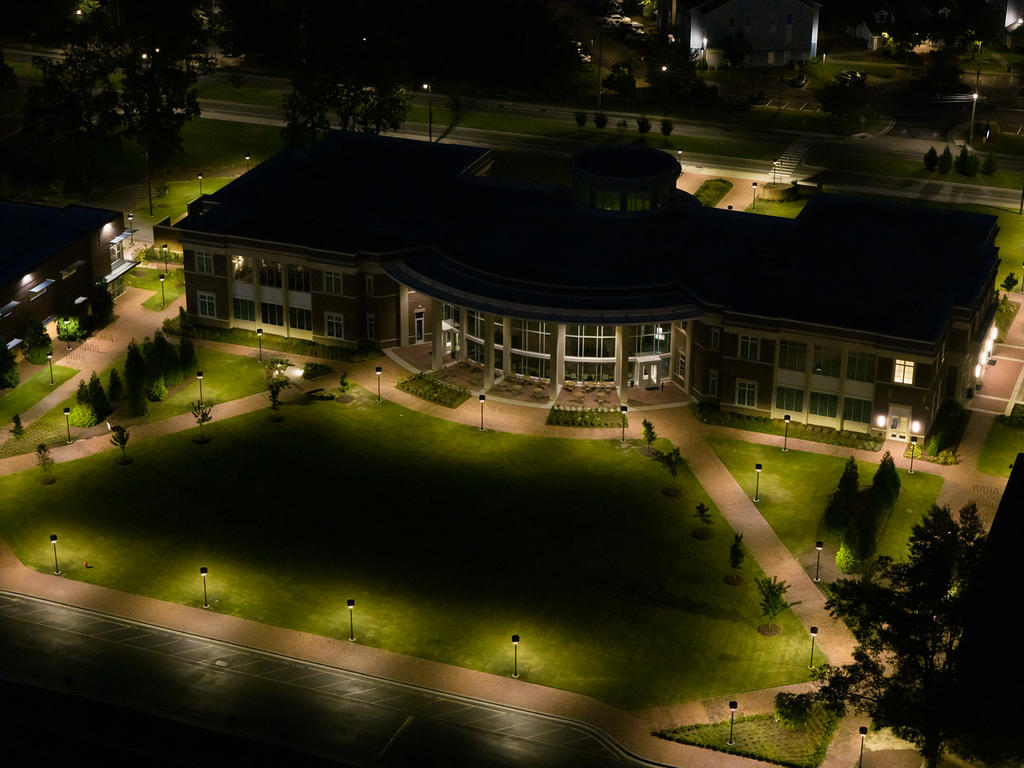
x=974 y=106
x=259 y=340
x=623 y=409
x=56 y=566
x=131 y=235
x=163 y=250
x=67 y=418
x=49 y=361
x=775 y=165
x=200 y=177
x=863 y=732
x=785 y=437
x=705 y=50
x=753 y=205
x=913 y=450
x=814 y=634
x=679 y=157
x=247 y=159
x=818 y=545
x=757 y=481
x=351 y=626
x=379 y=372
x=482 y=398
x=515 y=655
x=202 y=572
x=199 y=377
x=430 y=111
x=163 y=300
x=732 y=716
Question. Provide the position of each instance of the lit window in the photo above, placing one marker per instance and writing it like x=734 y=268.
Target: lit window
x=242 y=268
x=903 y=372
x=746 y=393
x=748 y=347
x=204 y=262
x=334 y=325
x=207 y=304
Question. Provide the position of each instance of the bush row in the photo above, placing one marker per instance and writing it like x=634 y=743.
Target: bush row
x=584 y=417
x=710 y=413
x=433 y=390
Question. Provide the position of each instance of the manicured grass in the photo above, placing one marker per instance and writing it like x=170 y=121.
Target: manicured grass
x=795 y=487
x=763 y=738
x=712 y=191
x=149 y=280
x=450 y=540
x=31 y=391
x=787 y=209
x=175 y=202
x=1004 y=317
x=1002 y=445
x=221 y=90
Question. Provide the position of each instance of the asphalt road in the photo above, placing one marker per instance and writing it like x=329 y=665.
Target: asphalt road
x=244 y=707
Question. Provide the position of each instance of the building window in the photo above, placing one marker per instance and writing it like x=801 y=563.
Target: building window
x=334 y=325
x=903 y=372
x=241 y=267
x=369 y=286
x=716 y=338
x=298 y=279
x=713 y=382
x=300 y=319
x=681 y=370
x=860 y=366
x=826 y=361
x=244 y=309
x=271 y=314
x=824 y=404
x=746 y=393
x=371 y=325
x=270 y=275
x=855 y=409
x=332 y=282
x=789 y=399
x=204 y=262
x=207 y=304
x=748 y=347
x=792 y=355
x=590 y=341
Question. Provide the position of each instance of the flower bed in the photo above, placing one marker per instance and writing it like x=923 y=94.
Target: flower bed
x=433 y=391
x=584 y=417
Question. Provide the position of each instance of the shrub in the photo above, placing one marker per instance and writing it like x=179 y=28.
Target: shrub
x=931 y=159
x=583 y=417
x=344 y=384
x=643 y=125
x=793 y=710
x=114 y=387
x=98 y=398
x=845 y=561
x=432 y=390
x=947 y=429
x=313 y=370
x=600 y=119
x=37 y=342
x=157 y=391
x=666 y=127
x=9 y=376
x=946 y=457
x=581 y=119
x=990 y=165
x=16 y=429
x=83 y=416
x=945 y=161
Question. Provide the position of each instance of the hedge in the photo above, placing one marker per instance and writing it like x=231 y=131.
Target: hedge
x=432 y=390
x=584 y=417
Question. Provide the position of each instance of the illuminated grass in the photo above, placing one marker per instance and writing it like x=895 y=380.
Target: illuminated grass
x=31 y=391
x=448 y=539
x=1002 y=444
x=149 y=280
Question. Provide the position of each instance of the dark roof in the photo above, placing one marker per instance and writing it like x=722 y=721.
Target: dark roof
x=30 y=234
x=624 y=162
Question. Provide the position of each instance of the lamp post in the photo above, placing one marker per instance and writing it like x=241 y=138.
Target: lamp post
x=482 y=398
x=67 y=419
x=785 y=437
x=199 y=378
x=515 y=655
x=732 y=717
x=163 y=299
x=863 y=732
x=163 y=250
x=823 y=67
x=131 y=235
x=679 y=157
x=351 y=626
x=202 y=572
x=200 y=177
x=775 y=164
x=259 y=340
x=974 y=106
x=49 y=361
x=704 y=49
x=818 y=545
x=757 y=481
x=56 y=565
x=247 y=159
x=430 y=111
x=814 y=634
x=913 y=450
x=753 y=205
x=623 y=409
x=379 y=372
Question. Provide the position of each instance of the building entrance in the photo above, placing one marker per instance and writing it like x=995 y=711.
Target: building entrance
x=899 y=422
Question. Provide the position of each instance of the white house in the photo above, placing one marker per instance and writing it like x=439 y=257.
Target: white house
x=779 y=31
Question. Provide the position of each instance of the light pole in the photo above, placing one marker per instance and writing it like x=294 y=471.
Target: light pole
x=351 y=626
x=775 y=165
x=430 y=111
x=202 y=572
x=199 y=378
x=863 y=732
x=823 y=67
x=913 y=450
x=200 y=177
x=679 y=157
x=49 y=361
x=67 y=419
x=705 y=50
x=379 y=372
x=515 y=655
x=623 y=409
x=785 y=437
x=131 y=235
x=757 y=481
x=482 y=398
x=974 y=105
x=163 y=250
x=259 y=340
x=247 y=159
x=818 y=545
x=814 y=634
x=163 y=299
x=753 y=205
x=732 y=717
x=56 y=566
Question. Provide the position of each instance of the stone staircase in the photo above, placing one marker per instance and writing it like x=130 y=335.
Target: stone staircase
x=790 y=159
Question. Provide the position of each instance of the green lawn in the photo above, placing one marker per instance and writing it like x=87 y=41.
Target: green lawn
x=712 y=191
x=175 y=202
x=149 y=280
x=795 y=486
x=788 y=209
x=221 y=90
x=31 y=391
x=569 y=543
x=1002 y=445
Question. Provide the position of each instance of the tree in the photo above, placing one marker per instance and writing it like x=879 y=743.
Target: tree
x=737 y=49
x=100 y=302
x=648 y=432
x=135 y=380
x=114 y=386
x=119 y=437
x=1009 y=282
x=841 y=100
x=344 y=384
x=9 y=376
x=945 y=161
x=581 y=119
x=931 y=159
x=908 y=624
x=793 y=710
x=43 y=459
x=186 y=355
x=672 y=460
x=98 y=398
x=840 y=504
x=967 y=163
x=773 y=598
x=37 y=341
x=703 y=513
x=16 y=429
x=885 y=485
x=990 y=165
x=621 y=80
x=82 y=393
x=736 y=553
x=600 y=119
x=643 y=125
x=666 y=127
x=202 y=413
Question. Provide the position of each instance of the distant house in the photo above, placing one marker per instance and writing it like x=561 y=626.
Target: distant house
x=778 y=31
x=880 y=23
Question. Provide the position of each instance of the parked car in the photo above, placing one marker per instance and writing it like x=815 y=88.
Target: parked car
x=636 y=39
x=758 y=97
x=799 y=81
x=851 y=77
x=584 y=57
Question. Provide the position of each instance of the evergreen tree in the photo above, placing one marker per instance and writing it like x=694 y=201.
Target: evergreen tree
x=600 y=119
x=666 y=127
x=840 y=505
x=990 y=165
x=37 y=341
x=736 y=553
x=885 y=486
x=9 y=376
x=648 y=433
x=82 y=394
x=643 y=125
x=100 y=301
x=135 y=380
x=945 y=161
x=931 y=159
x=186 y=355
x=581 y=119
x=16 y=429
x=773 y=598
x=114 y=388
x=98 y=398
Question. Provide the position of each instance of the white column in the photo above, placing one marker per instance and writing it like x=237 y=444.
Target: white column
x=463 y=323
x=488 y=351
x=673 y=349
x=622 y=337
x=558 y=361
x=436 y=334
